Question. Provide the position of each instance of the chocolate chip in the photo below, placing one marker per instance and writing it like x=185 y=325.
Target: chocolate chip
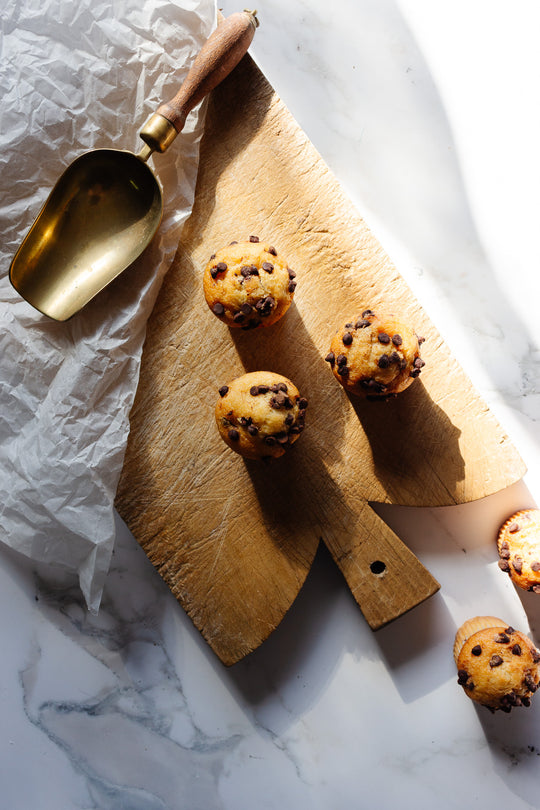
x=415 y=373
x=234 y=242
x=265 y=305
x=342 y=359
x=289 y=419
x=330 y=358
x=220 y=267
x=495 y=661
x=514 y=527
x=516 y=649
x=254 y=390
x=367 y=313
x=504 y=551
x=253 y=238
x=291 y=286
x=245 y=270
x=282 y=387
x=517 y=564
x=372 y=385
x=477 y=650
x=502 y=638
x=254 y=270
x=397 y=340
x=535 y=656
x=263 y=389
x=302 y=403
x=530 y=683
x=383 y=361
x=382 y=337
x=395 y=358
x=504 y=565
x=535 y=566
x=233 y=435
x=245 y=421
x=238 y=317
x=268 y=267
x=291 y=273
x=418 y=362
x=343 y=371
x=509 y=630
x=295 y=429
x=212 y=257
x=272 y=251
x=349 y=326
x=279 y=400
x=270 y=440
x=223 y=390
x=420 y=340
x=282 y=437
x=361 y=324
x=526 y=701
x=218 y=308
x=246 y=308
x=347 y=339
x=463 y=677
x=252 y=430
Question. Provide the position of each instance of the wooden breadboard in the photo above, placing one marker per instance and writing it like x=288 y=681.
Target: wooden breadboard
x=234 y=539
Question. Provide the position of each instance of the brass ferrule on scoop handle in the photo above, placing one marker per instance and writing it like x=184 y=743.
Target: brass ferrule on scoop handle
x=216 y=59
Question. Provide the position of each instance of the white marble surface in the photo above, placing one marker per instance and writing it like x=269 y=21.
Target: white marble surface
x=428 y=113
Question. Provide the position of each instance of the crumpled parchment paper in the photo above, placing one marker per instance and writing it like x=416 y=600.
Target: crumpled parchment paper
x=74 y=77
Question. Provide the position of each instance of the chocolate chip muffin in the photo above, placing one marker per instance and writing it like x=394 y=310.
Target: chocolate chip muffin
x=497 y=665
x=248 y=284
x=518 y=542
x=375 y=355
x=260 y=415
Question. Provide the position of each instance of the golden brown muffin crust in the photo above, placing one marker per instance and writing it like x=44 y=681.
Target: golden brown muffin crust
x=375 y=355
x=518 y=543
x=498 y=668
x=260 y=415
x=249 y=284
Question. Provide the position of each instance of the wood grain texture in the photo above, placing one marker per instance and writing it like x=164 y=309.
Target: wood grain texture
x=235 y=539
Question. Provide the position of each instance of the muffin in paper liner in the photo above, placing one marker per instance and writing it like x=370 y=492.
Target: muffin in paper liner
x=472 y=626
x=498 y=666
x=518 y=543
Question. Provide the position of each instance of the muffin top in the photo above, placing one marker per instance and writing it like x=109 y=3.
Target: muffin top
x=375 y=355
x=260 y=414
x=248 y=284
x=519 y=549
x=498 y=668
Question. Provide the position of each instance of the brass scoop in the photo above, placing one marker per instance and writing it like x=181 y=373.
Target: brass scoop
x=107 y=205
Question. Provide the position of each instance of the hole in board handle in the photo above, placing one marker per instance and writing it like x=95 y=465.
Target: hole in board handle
x=377 y=567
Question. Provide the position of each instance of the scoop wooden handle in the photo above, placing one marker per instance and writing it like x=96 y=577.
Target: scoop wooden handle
x=218 y=56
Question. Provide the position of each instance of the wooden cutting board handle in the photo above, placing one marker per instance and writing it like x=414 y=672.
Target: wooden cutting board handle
x=385 y=577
